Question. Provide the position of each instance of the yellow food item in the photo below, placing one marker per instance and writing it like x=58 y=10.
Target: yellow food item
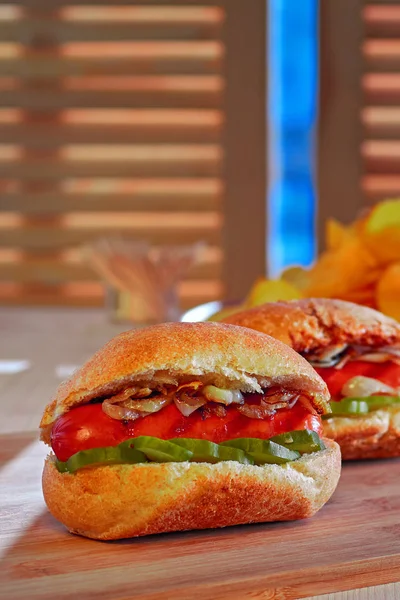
x=361 y=264
x=338 y=273
x=384 y=245
x=385 y=215
x=297 y=276
x=271 y=290
x=336 y=233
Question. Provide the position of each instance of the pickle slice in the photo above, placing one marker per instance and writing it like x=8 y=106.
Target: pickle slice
x=109 y=455
x=278 y=450
x=61 y=466
x=376 y=402
x=303 y=441
x=348 y=407
x=263 y=451
x=161 y=450
x=205 y=451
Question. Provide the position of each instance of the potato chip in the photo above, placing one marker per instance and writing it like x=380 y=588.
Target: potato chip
x=385 y=215
x=381 y=232
x=388 y=291
x=336 y=234
x=272 y=290
x=361 y=265
x=338 y=273
x=296 y=276
x=384 y=245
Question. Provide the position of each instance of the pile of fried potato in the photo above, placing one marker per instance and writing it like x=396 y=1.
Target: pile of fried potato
x=361 y=264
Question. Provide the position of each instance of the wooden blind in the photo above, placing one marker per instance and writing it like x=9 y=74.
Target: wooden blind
x=111 y=120
x=381 y=110
x=359 y=145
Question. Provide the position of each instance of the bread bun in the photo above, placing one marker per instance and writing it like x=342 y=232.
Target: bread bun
x=120 y=501
x=315 y=324
x=224 y=355
x=112 y=502
x=375 y=435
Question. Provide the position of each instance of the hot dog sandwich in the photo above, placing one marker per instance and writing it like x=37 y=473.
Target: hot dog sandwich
x=187 y=426
x=356 y=350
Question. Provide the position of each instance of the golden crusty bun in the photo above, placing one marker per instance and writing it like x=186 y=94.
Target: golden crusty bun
x=120 y=501
x=223 y=355
x=315 y=324
x=311 y=326
x=116 y=501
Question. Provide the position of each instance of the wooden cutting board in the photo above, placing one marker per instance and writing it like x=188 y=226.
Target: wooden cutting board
x=353 y=542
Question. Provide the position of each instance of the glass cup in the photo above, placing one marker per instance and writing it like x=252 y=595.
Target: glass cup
x=141 y=280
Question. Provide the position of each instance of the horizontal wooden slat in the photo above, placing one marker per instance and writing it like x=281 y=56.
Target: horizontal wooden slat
x=382 y=54
x=42 y=238
x=42 y=98
x=140 y=83
x=53 y=271
x=382 y=88
x=140 y=42
x=117 y=161
x=36 y=135
x=381 y=156
x=10 y=115
x=115 y=220
x=26 y=31
x=382 y=20
x=380 y=121
x=138 y=12
x=137 y=117
x=378 y=187
x=58 y=203
x=92 y=294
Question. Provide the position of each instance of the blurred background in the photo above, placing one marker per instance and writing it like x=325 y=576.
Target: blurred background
x=239 y=124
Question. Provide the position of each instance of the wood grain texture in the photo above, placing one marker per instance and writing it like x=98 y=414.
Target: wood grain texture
x=348 y=544
x=391 y=591
x=353 y=542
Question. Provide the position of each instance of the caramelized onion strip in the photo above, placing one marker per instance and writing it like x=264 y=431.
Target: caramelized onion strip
x=129 y=410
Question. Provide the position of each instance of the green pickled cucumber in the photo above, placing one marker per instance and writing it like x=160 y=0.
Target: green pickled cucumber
x=263 y=451
x=61 y=466
x=348 y=407
x=278 y=450
x=205 y=451
x=304 y=441
x=376 y=402
x=161 y=450
x=109 y=455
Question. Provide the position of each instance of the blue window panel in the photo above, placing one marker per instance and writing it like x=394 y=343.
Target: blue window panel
x=292 y=115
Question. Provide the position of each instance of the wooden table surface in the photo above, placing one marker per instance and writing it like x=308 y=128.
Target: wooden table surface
x=354 y=542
